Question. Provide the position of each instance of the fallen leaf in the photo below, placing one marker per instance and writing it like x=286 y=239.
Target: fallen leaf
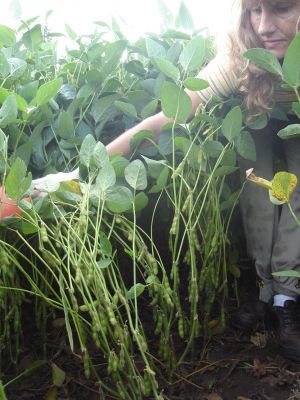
x=51 y=394
x=260 y=368
x=214 y=396
x=259 y=340
x=272 y=380
x=58 y=323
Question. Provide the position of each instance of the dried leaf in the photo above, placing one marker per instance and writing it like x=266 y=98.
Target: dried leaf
x=260 y=368
x=259 y=340
x=58 y=323
x=272 y=380
x=51 y=394
x=214 y=396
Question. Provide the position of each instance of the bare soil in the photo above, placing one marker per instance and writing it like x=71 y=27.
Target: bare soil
x=232 y=366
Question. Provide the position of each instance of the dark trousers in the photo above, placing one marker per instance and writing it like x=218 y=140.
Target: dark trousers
x=273 y=237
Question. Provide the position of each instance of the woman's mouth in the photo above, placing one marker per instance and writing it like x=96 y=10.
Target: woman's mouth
x=272 y=43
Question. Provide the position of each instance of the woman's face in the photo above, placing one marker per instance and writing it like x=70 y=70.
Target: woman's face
x=275 y=23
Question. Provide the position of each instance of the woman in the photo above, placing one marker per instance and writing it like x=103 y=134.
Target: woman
x=273 y=242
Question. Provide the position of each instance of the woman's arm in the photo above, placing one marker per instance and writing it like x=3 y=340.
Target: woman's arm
x=120 y=145
x=154 y=123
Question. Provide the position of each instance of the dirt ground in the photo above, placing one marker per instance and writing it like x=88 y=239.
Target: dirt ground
x=236 y=367
x=231 y=367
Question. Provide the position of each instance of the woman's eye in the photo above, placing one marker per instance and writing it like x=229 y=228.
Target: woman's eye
x=283 y=9
x=256 y=10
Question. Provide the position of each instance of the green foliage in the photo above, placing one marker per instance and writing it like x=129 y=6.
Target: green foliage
x=232 y=124
x=290 y=131
x=175 y=102
x=291 y=63
x=99 y=88
x=58 y=114
x=264 y=59
x=17 y=183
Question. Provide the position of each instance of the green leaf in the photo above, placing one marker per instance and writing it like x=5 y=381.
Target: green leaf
x=28 y=90
x=113 y=54
x=58 y=375
x=184 y=18
x=16 y=183
x=229 y=158
x=154 y=49
x=7 y=36
x=195 y=84
x=103 y=107
x=119 y=163
x=291 y=273
x=92 y=154
x=106 y=177
x=94 y=79
x=193 y=54
x=8 y=111
x=165 y=13
x=105 y=245
x=232 y=124
x=17 y=67
x=4 y=66
x=296 y=108
x=135 y=175
x=47 y=91
x=24 y=151
x=213 y=148
x=99 y=156
x=33 y=38
x=175 y=102
x=21 y=103
x=162 y=180
x=151 y=279
x=149 y=109
x=231 y=201
x=72 y=34
x=135 y=67
x=224 y=170
x=86 y=150
x=245 y=146
x=174 y=34
x=140 y=137
x=119 y=200
x=66 y=128
x=126 y=108
x=290 y=131
x=291 y=63
x=167 y=68
x=140 y=201
x=104 y=263
x=260 y=122
x=135 y=291
x=154 y=167
x=264 y=59
x=235 y=271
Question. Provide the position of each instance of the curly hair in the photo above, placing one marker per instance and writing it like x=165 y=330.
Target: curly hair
x=256 y=84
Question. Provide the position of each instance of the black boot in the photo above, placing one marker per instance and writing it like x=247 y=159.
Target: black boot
x=288 y=329
x=249 y=315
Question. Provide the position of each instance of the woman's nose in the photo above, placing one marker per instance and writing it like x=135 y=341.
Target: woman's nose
x=266 y=23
